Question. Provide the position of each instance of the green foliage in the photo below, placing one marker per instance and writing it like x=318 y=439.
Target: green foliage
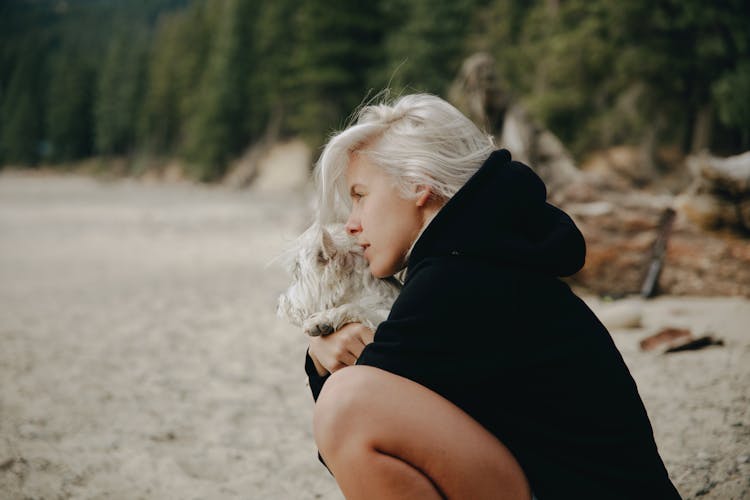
x=732 y=93
x=215 y=131
x=271 y=86
x=600 y=73
x=178 y=56
x=21 y=131
x=119 y=94
x=425 y=51
x=205 y=79
x=69 y=119
x=336 y=44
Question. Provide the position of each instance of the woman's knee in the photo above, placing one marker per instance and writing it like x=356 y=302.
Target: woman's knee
x=342 y=406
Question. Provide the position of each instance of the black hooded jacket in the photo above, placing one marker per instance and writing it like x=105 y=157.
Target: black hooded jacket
x=484 y=321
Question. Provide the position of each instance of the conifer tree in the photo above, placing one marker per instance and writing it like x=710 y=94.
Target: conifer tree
x=21 y=112
x=425 y=51
x=119 y=93
x=69 y=120
x=218 y=129
x=270 y=89
x=338 y=44
x=177 y=63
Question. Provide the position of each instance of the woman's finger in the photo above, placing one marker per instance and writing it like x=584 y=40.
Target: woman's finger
x=345 y=358
x=366 y=335
x=343 y=347
x=356 y=347
x=358 y=330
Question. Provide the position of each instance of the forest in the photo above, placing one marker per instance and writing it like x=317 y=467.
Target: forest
x=202 y=80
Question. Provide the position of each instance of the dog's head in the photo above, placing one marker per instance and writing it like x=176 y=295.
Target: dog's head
x=321 y=262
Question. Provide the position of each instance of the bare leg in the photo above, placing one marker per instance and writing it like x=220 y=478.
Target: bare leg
x=384 y=436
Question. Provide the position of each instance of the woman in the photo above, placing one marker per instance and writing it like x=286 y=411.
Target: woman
x=490 y=378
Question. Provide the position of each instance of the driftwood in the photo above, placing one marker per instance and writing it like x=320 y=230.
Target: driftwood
x=694 y=345
x=720 y=193
x=628 y=237
x=622 y=232
x=477 y=92
x=666 y=338
x=659 y=251
x=670 y=340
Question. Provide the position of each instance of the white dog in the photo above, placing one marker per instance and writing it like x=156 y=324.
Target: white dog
x=332 y=283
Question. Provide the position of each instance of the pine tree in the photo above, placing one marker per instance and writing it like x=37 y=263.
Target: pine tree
x=177 y=63
x=270 y=89
x=219 y=130
x=21 y=115
x=69 y=113
x=425 y=51
x=119 y=93
x=337 y=46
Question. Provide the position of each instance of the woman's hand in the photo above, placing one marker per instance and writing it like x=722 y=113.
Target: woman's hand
x=339 y=349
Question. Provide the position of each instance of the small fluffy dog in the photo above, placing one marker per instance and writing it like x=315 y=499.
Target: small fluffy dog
x=332 y=285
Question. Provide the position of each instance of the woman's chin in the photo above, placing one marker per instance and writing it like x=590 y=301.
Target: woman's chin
x=377 y=272
x=380 y=273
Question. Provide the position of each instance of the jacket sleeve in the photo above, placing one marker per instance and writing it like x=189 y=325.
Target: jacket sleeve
x=316 y=384
x=438 y=333
x=316 y=381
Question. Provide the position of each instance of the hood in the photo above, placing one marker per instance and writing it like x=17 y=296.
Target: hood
x=501 y=214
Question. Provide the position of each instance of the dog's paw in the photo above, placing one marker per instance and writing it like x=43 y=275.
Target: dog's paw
x=318 y=329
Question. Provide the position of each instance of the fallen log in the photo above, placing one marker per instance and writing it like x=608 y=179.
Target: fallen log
x=622 y=222
x=720 y=193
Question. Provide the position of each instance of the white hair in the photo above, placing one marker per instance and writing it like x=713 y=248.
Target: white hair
x=417 y=139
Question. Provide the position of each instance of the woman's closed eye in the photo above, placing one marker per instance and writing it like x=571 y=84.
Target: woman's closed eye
x=356 y=192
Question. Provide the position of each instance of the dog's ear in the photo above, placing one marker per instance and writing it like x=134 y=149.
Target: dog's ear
x=328 y=247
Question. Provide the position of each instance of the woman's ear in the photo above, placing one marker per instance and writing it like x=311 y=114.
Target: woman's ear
x=423 y=195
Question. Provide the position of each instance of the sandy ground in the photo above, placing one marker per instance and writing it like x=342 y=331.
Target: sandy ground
x=140 y=356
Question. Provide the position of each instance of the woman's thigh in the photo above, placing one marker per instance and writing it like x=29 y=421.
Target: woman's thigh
x=369 y=408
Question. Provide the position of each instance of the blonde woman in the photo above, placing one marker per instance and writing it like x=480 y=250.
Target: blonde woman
x=490 y=378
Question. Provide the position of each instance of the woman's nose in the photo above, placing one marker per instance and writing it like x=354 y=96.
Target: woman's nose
x=352 y=226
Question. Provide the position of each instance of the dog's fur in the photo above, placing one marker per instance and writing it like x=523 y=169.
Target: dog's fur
x=332 y=285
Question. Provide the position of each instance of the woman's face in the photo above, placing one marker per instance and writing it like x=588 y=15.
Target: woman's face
x=384 y=223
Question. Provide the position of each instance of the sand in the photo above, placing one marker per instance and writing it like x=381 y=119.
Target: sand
x=140 y=355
